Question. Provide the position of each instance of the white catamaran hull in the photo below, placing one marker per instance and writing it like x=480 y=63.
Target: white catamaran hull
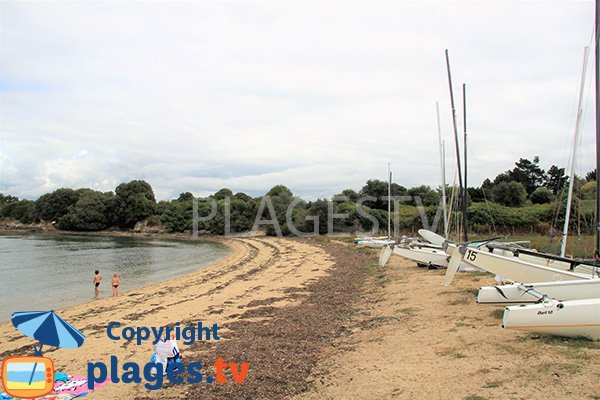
x=427 y=256
x=527 y=293
x=375 y=243
x=570 y=318
x=517 y=270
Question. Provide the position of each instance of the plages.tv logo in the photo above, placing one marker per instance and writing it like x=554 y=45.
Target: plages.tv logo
x=166 y=363
x=33 y=376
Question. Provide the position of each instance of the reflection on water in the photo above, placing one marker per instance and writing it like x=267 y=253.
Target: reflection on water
x=47 y=272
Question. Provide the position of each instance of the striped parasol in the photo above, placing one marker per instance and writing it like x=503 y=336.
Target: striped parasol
x=47 y=328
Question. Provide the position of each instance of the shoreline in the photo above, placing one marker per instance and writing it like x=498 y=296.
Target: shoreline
x=106 y=293
x=256 y=270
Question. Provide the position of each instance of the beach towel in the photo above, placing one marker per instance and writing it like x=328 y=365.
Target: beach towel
x=61 y=377
x=58 y=396
x=76 y=385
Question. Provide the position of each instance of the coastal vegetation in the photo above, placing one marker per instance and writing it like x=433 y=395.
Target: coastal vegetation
x=525 y=199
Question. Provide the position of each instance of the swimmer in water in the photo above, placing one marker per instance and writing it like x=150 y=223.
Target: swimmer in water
x=97 y=279
x=115 y=284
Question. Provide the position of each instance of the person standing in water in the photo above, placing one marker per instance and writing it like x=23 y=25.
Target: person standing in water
x=115 y=284
x=97 y=279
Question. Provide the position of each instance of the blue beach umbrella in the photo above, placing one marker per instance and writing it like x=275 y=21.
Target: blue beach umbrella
x=47 y=328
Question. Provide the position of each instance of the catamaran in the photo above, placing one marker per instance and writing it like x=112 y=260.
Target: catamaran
x=512 y=267
x=529 y=293
x=530 y=266
x=574 y=318
x=571 y=318
x=382 y=241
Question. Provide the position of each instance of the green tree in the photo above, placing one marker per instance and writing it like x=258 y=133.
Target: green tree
x=476 y=195
x=178 y=215
x=556 y=179
x=281 y=197
x=591 y=176
x=349 y=194
x=52 y=206
x=5 y=200
x=22 y=210
x=510 y=194
x=381 y=217
x=588 y=191
x=542 y=195
x=379 y=190
x=280 y=190
x=222 y=194
x=528 y=173
x=243 y=197
x=134 y=201
x=428 y=196
x=90 y=213
x=319 y=209
x=186 y=196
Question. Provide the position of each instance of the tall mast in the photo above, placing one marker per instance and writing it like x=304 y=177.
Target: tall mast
x=389 y=202
x=563 y=243
x=465 y=194
x=442 y=168
x=460 y=183
x=597 y=35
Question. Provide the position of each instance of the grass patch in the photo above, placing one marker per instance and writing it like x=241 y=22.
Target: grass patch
x=561 y=367
x=379 y=273
x=573 y=343
x=451 y=352
x=475 y=397
x=464 y=325
x=460 y=301
x=349 y=314
x=474 y=292
x=498 y=314
x=407 y=310
x=493 y=385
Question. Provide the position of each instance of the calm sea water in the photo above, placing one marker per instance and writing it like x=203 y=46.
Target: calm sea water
x=45 y=272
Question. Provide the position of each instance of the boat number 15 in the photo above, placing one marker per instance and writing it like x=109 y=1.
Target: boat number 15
x=470 y=255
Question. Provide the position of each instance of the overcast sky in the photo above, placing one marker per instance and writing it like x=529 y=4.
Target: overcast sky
x=319 y=96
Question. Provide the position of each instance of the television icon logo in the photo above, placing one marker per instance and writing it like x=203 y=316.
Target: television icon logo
x=28 y=376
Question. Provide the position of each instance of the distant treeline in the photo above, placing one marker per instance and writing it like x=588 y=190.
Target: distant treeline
x=525 y=198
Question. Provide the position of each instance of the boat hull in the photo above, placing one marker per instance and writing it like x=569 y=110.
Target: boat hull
x=572 y=318
x=375 y=243
x=515 y=294
x=427 y=256
x=517 y=270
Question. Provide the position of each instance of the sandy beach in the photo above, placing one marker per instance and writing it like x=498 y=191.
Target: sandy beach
x=318 y=319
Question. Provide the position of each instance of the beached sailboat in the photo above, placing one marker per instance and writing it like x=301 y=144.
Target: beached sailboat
x=530 y=266
x=571 y=318
x=426 y=252
x=381 y=241
x=430 y=251
x=528 y=293
x=518 y=270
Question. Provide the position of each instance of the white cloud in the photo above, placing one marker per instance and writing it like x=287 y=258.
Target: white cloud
x=194 y=96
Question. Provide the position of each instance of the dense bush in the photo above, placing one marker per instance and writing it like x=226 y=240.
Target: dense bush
x=92 y=212
x=518 y=199
x=134 y=201
x=542 y=195
x=510 y=194
x=52 y=206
